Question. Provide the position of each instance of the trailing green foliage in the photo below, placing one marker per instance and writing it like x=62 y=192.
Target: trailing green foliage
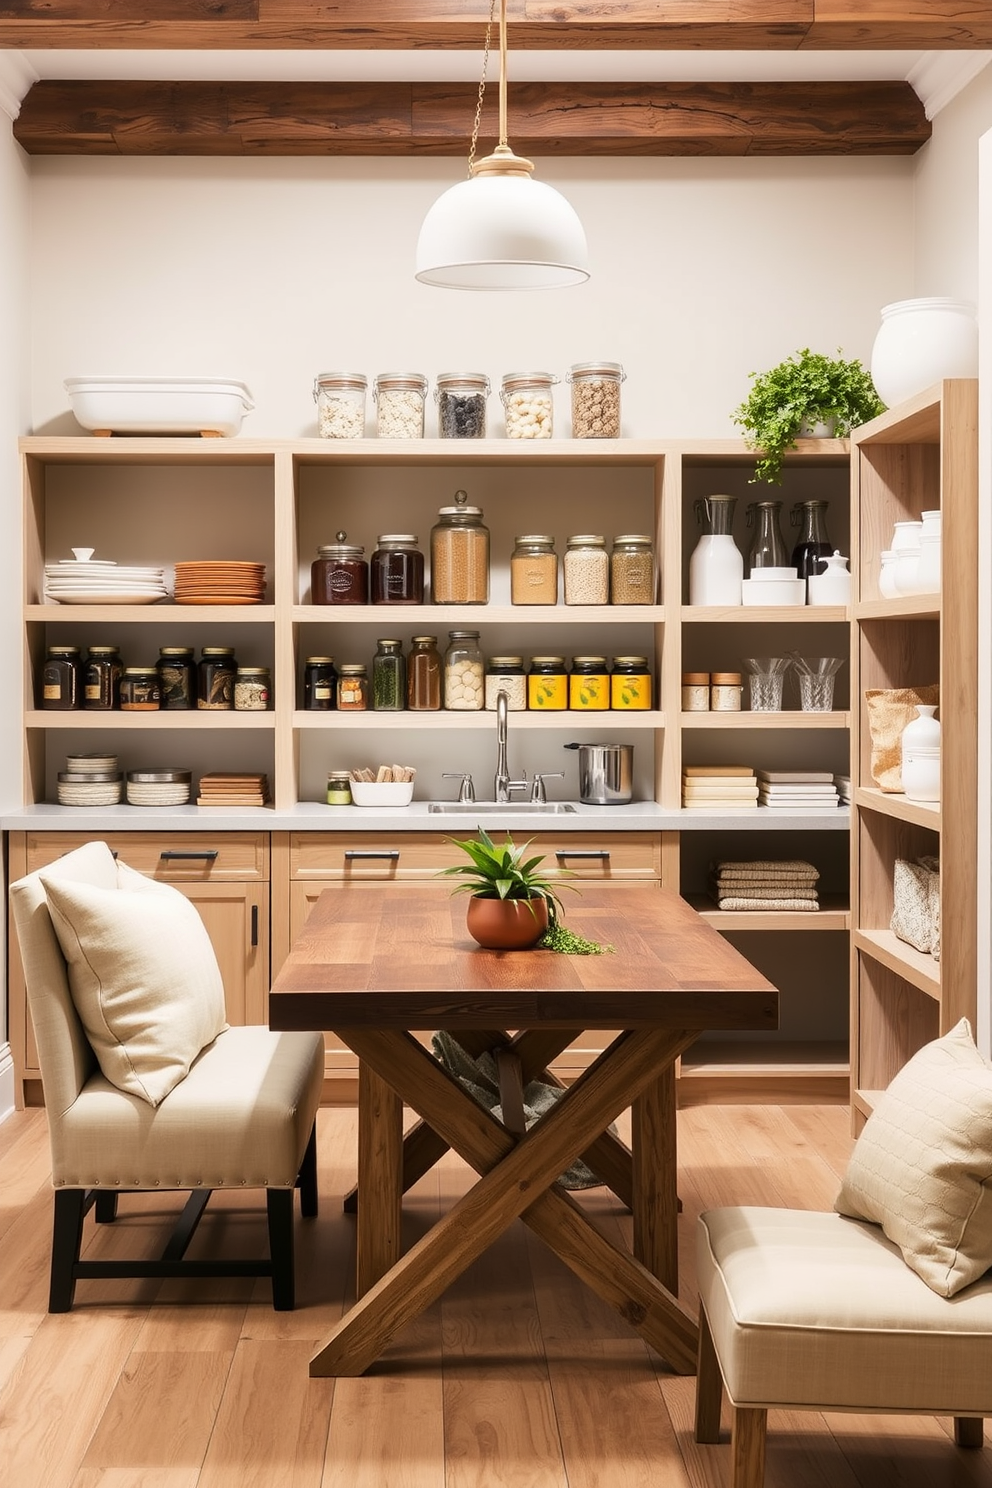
x=557 y=938
x=806 y=387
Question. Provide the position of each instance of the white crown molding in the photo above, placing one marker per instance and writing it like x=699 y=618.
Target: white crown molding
x=16 y=77
x=939 y=77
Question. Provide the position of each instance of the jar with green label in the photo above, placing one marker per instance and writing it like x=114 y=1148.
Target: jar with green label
x=547 y=684
x=589 y=684
x=339 y=788
x=630 y=683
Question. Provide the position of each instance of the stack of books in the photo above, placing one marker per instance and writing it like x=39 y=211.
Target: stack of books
x=797 y=790
x=766 y=885
x=843 y=784
x=224 y=789
x=719 y=788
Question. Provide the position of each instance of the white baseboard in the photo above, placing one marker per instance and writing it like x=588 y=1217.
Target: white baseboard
x=6 y=1082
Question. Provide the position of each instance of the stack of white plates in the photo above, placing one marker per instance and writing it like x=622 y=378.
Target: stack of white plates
x=100 y=581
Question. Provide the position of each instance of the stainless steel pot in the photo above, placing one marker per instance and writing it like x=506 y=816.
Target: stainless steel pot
x=606 y=773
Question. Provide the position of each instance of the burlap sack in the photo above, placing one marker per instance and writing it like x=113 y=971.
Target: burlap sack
x=889 y=711
x=916 y=904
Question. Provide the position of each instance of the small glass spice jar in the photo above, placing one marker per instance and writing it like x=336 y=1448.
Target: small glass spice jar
x=630 y=683
x=547 y=684
x=339 y=575
x=534 y=570
x=506 y=674
x=62 y=679
x=215 y=676
x=320 y=684
x=389 y=677
x=461 y=404
x=177 y=677
x=339 y=788
x=632 y=570
x=589 y=684
x=695 y=692
x=340 y=400
x=252 y=689
x=528 y=404
x=460 y=554
x=596 y=399
x=423 y=675
x=396 y=570
x=140 y=691
x=353 y=687
x=399 y=405
x=463 y=672
x=102 y=678
x=587 y=570
x=725 y=692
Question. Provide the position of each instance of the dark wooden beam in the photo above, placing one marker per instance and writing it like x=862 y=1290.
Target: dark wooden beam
x=150 y=118
x=574 y=25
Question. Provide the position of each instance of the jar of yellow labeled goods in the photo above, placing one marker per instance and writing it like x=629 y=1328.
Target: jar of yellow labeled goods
x=630 y=683
x=695 y=692
x=547 y=684
x=589 y=683
x=725 y=692
x=353 y=687
x=587 y=570
x=632 y=570
x=463 y=672
x=339 y=788
x=534 y=570
x=460 y=554
x=140 y=691
x=506 y=674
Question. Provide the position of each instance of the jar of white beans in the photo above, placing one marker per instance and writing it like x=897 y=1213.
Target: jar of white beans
x=399 y=404
x=464 y=687
x=340 y=400
x=528 y=404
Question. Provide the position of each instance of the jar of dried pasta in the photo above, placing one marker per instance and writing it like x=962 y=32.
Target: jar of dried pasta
x=460 y=554
x=596 y=399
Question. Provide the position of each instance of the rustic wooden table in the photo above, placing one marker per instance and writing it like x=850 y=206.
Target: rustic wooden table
x=374 y=964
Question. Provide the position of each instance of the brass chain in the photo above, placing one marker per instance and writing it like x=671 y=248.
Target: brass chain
x=482 y=87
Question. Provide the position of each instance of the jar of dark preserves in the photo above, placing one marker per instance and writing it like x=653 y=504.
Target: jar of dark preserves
x=177 y=677
x=102 y=678
x=140 y=691
x=423 y=676
x=320 y=684
x=397 y=570
x=215 y=678
x=339 y=575
x=62 y=679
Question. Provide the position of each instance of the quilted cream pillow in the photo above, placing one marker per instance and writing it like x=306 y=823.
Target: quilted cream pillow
x=922 y=1166
x=143 y=977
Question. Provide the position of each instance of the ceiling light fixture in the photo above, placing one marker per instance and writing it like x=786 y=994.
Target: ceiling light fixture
x=501 y=229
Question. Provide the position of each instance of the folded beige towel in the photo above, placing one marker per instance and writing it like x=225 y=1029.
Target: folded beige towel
x=764 y=865
x=766 y=878
x=720 y=892
x=767 y=905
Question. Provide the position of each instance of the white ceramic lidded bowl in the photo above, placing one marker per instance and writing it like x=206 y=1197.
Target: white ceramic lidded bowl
x=833 y=586
x=921 y=342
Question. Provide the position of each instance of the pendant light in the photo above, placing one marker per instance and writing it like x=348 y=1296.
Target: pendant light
x=501 y=229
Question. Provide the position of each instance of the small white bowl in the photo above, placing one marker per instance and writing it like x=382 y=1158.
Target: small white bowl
x=382 y=792
x=755 y=592
x=774 y=575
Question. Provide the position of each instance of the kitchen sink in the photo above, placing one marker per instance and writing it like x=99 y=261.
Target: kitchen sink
x=501 y=808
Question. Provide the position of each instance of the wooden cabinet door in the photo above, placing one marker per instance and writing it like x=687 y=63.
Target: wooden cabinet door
x=237 y=919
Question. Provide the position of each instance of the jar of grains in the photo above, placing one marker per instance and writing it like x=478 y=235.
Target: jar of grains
x=589 y=684
x=528 y=404
x=725 y=692
x=140 y=692
x=399 y=405
x=534 y=570
x=695 y=692
x=596 y=399
x=461 y=404
x=353 y=687
x=463 y=683
x=340 y=400
x=320 y=684
x=389 y=677
x=460 y=555
x=632 y=570
x=506 y=674
x=396 y=570
x=547 y=684
x=252 y=689
x=339 y=575
x=62 y=679
x=215 y=678
x=587 y=570
x=630 y=683
x=177 y=677
x=423 y=675
x=102 y=678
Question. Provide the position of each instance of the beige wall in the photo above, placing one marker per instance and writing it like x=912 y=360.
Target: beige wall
x=946 y=210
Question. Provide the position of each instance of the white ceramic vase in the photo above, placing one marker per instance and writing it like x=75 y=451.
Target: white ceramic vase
x=928 y=577
x=887 y=575
x=716 y=569
x=921 y=342
x=921 y=755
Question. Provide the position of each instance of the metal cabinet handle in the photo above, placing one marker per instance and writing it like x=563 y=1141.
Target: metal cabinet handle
x=206 y=856
x=254 y=925
x=602 y=853
x=392 y=854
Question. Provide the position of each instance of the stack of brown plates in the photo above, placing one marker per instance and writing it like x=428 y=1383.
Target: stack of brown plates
x=219 y=581
x=225 y=789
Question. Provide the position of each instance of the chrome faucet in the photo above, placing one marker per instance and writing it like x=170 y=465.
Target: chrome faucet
x=503 y=785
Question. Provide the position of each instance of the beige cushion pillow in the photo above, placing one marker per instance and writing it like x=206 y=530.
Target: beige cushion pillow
x=922 y=1166
x=143 y=977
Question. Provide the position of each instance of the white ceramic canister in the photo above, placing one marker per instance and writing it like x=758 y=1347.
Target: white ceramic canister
x=833 y=586
x=716 y=565
x=921 y=755
x=906 y=545
x=928 y=575
x=921 y=342
x=887 y=575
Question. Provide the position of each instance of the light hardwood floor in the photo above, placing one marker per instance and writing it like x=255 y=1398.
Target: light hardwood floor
x=519 y=1378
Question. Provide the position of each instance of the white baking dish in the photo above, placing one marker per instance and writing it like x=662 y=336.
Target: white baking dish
x=159 y=405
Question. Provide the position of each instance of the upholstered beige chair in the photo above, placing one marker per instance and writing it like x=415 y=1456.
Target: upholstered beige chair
x=146 y=1087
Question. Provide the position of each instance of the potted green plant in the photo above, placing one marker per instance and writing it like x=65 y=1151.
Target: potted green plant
x=512 y=902
x=805 y=390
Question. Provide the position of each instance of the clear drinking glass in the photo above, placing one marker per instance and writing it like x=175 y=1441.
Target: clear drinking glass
x=767 y=674
x=816 y=681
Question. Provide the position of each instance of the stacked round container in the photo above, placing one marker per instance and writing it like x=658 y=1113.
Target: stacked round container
x=90 y=780
x=159 y=787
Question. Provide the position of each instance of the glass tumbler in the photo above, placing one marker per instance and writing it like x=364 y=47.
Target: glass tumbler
x=767 y=674
x=816 y=681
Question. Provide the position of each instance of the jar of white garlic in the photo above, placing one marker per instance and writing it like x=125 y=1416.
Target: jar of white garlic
x=528 y=404
x=463 y=672
x=399 y=404
x=340 y=400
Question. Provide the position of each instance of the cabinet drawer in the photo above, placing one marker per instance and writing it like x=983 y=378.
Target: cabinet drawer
x=601 y=855
x=385 y=856
x=177 y=857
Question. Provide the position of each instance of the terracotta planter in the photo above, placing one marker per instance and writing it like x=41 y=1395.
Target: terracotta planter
x=506 y=924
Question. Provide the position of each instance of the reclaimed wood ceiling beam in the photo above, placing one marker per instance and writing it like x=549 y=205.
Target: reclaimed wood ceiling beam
x=576 y=25
x=294 y=118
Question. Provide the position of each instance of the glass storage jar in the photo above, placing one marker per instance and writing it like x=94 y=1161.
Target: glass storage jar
x=596 y=399
x=547 y=684
x=399 y=405
x=587 y=570
x=461 y=404
x=252 y=689
x=506 y=674
x=632 y=570
x=339 y=575
x=340 y=400
x=767 y=548
x=589 y=684
x=320 y=679
x=353 y=687
x=177 y=677
x=102 y=678
x=725 y=692
x=630 y=683
x=396 y=570
x=534 y=570
x=460 y=555
x=389 y=677
x=215 y=679
x=62 y=679
x=140 y=691
x=423 y=675
x=463 y=672
x=528 y=404
x=339 y=788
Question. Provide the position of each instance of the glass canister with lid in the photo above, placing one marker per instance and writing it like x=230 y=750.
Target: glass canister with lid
x=632 y=570
x=463 y=672
x=252 y=689
x=547 y=684
x=460 y=554
x=340 y=400
x=587 y=570
x=528 y=405
x=461 y=404
x=506 y=674
x=353 y=687
x=215 y=679
x=140 y=691
x=534 y=570
x=596 y=399
x=177 y=678
x=399 y=404
x=396 y=570
x=339 y=575
x=62 y=679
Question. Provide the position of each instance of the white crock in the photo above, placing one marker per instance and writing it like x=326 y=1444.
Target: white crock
x=921 y=755
x=921 y=342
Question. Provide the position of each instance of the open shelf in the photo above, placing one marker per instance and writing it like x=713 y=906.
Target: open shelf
x=915 y=967
x=833 y=914
x=764 y=1070
x=899 y=807
x=780 y=720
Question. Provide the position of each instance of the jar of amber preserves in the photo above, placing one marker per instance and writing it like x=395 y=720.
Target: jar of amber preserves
x=630 y=683
x=353 y=687
x=339 y=575
x=62 y=679
x=423 y=675
x=589 y=684
x=102 y=685
x=547 y=684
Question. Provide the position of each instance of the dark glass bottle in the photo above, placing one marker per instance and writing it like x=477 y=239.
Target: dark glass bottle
x=177 y=677
x=396 y=570
x=62 y=679
x=215 y=678
x=102 y=678
x=423 y=686
x=320 y=684
x=813 y=544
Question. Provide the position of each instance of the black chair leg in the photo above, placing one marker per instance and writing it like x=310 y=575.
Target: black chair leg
x=307 y=1180
x=279 y=1205
x=67 y=1236
x=105 y=1206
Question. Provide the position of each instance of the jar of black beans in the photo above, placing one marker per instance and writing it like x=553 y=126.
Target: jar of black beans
x=461 y=405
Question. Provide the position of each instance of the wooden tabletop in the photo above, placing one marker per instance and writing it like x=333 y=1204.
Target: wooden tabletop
x=399 y=956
